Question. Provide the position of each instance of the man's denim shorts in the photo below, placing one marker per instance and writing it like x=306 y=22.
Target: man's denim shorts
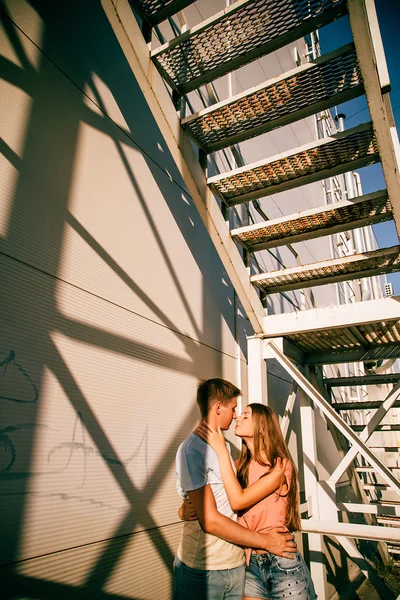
x=272 y=577
x=195 y=584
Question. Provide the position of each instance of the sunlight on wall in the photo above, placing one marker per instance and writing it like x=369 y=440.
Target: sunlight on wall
x=103 y=101
x=123 y=238
x=73 y=490
x=27 y=55
x=16 y=104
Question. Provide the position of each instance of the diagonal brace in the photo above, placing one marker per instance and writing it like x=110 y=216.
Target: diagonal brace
x=288 y=410
x=272 y=350
x=367 y=431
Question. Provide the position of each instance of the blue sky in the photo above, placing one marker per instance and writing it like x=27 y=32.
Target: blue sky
x=356 y=111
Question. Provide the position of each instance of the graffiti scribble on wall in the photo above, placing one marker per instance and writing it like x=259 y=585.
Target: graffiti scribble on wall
x=14 y=377
x=17 y=386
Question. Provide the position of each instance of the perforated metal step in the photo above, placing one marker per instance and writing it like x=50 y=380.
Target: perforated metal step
x=378 y=262
x=361 y=405
x=155 y=11
x=326 y=220
x=352 y=149
x=362 y=380
x=381 y=428
x=238 y=35
x=306 y=90
x=384 y=336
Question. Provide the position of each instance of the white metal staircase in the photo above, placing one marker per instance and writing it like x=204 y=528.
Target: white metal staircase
x=243 y=32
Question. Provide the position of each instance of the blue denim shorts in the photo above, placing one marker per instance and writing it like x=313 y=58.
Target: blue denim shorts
x=271 y=577
x=196 y=584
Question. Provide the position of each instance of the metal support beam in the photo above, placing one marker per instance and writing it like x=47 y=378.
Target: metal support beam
x=352 y=530
x=387 y=427
x=329 y=412
x=372 y=509
x=289 y=410
x=257 y=371
x=368 y=43
x=342 y=447
x=367 y=431
x=137 y=54
x=316 y=544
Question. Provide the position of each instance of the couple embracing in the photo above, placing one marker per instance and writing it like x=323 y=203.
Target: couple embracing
x=236 y=542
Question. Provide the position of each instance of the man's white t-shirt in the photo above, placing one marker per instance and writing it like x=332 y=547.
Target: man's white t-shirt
x=197 y=466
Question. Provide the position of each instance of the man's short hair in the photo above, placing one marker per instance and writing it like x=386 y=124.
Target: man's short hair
x=215 y=390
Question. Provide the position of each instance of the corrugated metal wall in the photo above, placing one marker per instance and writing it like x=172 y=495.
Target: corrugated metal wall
x=114 y=303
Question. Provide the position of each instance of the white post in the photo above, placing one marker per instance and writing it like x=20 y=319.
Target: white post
x=289 y=410
x=309 y=442
x=257 y=371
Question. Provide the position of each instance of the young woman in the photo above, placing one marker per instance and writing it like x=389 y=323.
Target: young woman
x=265 y=495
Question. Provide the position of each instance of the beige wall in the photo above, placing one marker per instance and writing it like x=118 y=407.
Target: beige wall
x=114 y=304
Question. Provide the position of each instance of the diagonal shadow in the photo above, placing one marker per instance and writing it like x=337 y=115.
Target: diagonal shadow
x=138 y=500
x=124 y=346
x=133 y=496
x=150 y=220
x=188 y=341
x=23 y=586
x=9 y=154
x=11 y=30
x=93 y=243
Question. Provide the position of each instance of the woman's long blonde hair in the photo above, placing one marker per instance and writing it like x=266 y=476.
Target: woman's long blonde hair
x=269 y=443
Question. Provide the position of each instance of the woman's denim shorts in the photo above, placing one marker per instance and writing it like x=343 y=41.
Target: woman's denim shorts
x=271 y=577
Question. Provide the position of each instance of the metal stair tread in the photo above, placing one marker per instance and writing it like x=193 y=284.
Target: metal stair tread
x=384 y=260
x=156 y=11
x=325 y=220
x=348 y=150
x=385 y=336
x=384 y=378
x=368 y=405
x=381 y=428
x=306 y=90
x=238 y=35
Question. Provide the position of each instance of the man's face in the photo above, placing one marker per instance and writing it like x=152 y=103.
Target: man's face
x=227 y=413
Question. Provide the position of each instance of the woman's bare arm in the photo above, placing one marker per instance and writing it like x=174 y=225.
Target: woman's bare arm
x=239 y=498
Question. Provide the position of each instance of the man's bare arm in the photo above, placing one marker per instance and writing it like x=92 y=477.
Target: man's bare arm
x=277 y=541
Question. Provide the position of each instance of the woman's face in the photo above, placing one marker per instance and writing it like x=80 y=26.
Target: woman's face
x=244 y=424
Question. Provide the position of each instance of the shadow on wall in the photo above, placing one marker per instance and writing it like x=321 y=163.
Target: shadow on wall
x=96 y=366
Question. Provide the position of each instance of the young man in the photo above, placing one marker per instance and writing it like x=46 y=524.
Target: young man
x=210 y=559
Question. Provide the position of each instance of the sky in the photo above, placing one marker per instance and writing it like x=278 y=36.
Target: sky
x=337 y=34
